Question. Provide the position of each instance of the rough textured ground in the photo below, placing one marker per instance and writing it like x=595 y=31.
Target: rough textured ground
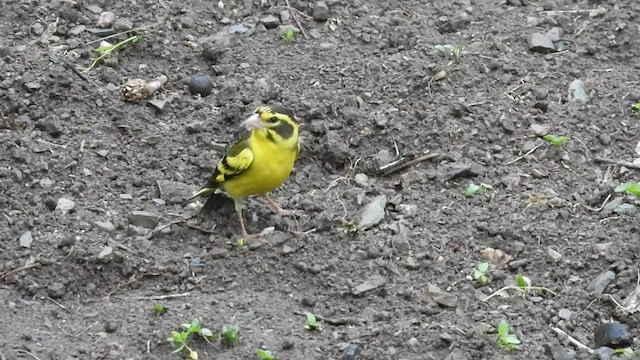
x=370 y=87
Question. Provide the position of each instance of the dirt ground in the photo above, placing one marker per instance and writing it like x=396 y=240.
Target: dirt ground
x=80 y=268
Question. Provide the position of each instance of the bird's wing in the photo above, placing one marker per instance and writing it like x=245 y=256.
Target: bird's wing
x=238 y=159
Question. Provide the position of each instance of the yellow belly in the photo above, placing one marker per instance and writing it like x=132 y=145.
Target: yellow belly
x=270 y=167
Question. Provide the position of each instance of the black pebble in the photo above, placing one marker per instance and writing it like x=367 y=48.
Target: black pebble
x=613 y=335
x=352 y=352
x=201 y=84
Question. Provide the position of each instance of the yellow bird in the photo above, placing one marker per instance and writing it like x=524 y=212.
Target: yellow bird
x=259 y=162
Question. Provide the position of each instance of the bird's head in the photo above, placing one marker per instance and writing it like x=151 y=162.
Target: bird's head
x=275 y=122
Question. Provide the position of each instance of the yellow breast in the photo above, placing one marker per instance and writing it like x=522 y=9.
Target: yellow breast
x=271 y=165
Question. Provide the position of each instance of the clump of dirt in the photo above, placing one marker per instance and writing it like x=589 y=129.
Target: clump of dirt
x=403 y=105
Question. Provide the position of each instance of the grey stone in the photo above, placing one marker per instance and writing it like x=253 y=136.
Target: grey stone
x=144 y=219
x=174 y=191
x=577 y=92
x=106 y=19
x=105 y=225
x=372 y=283
x=26 y=239
x=553 y=256
x=600 y=283
x=65 y=205
x=105 y=254
x=540 y=43
x=373 y=213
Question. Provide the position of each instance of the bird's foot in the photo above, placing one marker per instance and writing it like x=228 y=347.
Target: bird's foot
x=251 y=238
x=288 y=213
x=280 y=211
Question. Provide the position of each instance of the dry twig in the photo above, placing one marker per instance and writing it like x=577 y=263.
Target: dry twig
x=26 y=267
x=402 y=163
x=573 y=340
x=334 y=321
x=163 y=297
x=295 y=18
x=626 y=164
x=523 y=156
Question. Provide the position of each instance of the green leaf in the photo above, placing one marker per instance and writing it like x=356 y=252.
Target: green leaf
x=486 y=186
x=229 y=335
x=556 y=140
x=179 y=337
x=636 y=106
x=630 y=188
x=483 y=267
x=503 y=329
x=512 y=339
x=265 y=354
x=104 y=48
x=311 y=319
x=206 y=332
x=471 y=190
x=159 y=309
x=521 y=282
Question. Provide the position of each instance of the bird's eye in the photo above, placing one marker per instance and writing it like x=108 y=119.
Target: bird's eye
x=273 y=120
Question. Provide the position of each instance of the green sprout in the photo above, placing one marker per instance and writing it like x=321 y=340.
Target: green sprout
x=288 y=33
x=523 y=283
x=179 y=338
x=636 y=106
x=628 y=352
x=629 y=188
x=229 y=335
x=523 y=287
x=556 y=140
x=106 y=51
x=312 y=323
x=474 y=189
x=480 y=273
x=450 y=50
x=265 y=354
x=158 y=309
x=506 y=340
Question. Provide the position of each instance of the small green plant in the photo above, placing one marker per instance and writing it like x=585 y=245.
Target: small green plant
x=636 y=106
x=480 y=273
x=106 y=51
x=180 y=338
x=556 y=140
x=451 y=50
x=473 y=189
x=288 y=33
x=158 y=309
x=524 y=283
x=265 y=354
x=629 y=188
x=229 y=335
x=505 y=339
x=312 y=323
x=628 y=352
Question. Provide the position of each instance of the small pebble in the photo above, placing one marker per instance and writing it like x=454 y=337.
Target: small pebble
x=201 y=85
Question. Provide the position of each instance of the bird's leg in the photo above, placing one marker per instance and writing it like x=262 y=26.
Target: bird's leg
x=245 y=235
x=277 y=209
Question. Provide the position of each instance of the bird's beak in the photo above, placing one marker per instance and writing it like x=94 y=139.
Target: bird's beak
x=253 y=122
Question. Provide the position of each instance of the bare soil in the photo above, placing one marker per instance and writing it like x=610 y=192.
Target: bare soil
x=369 y=88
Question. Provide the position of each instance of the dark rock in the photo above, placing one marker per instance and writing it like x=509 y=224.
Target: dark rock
x=459 y=169
x=212 y=54
x=352 y=352
x=270 y=21
x=613 y=335
x=201 y=85
x=50 y=125
x=321 y=11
